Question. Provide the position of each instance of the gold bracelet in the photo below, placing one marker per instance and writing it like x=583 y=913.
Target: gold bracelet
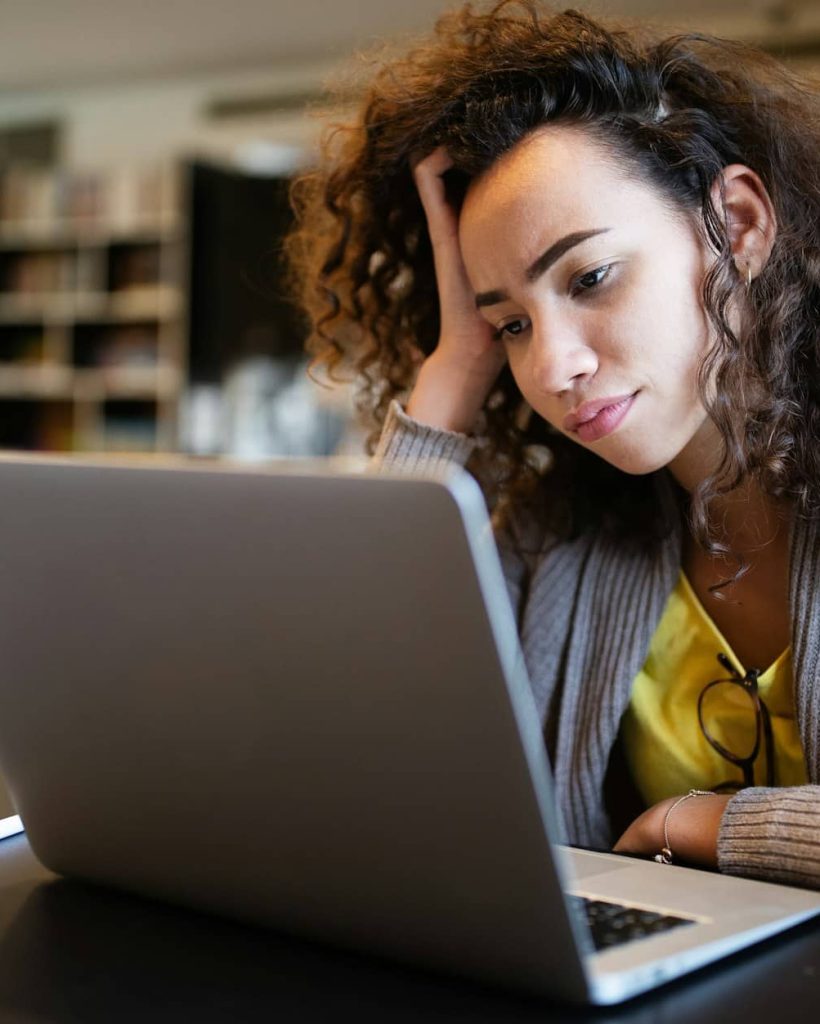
x=665 y=856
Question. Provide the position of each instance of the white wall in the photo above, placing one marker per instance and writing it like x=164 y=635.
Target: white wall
x=148 y=121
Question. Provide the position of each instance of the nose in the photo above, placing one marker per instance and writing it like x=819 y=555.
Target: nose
x=560 y=358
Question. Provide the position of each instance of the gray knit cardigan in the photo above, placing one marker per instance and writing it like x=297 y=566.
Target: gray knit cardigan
x=590 y=611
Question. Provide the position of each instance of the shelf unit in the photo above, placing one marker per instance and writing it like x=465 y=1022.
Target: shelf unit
x=93 y=310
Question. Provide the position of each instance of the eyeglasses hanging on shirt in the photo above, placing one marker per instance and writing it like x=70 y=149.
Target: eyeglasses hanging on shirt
x=737 y=696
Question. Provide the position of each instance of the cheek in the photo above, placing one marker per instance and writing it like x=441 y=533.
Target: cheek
x=666 y=340
x=548 y=409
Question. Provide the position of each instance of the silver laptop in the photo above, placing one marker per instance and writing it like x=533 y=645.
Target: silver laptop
x=294 y=695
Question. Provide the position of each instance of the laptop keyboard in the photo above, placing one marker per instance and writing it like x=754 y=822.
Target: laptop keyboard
x=613 y=923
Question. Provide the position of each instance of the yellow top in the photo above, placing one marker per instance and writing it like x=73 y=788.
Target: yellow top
x=665 y=748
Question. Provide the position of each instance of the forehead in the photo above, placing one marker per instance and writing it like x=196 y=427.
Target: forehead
x=555 y=181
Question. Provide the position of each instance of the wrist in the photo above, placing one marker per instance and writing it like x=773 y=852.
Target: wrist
x=449 y=395
x=687 y=828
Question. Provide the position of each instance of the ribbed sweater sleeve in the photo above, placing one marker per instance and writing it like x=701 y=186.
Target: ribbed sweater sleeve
x=773 y=834
x=406 y=443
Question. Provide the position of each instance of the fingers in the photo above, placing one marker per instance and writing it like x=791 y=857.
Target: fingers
x=436 y=162
x=427 y=174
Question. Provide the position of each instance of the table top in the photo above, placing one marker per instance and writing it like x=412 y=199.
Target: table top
x=76 y=952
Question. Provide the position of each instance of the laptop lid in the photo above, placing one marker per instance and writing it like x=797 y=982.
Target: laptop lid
x=292 y=695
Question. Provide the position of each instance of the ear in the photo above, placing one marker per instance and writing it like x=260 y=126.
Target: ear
x=749 y=217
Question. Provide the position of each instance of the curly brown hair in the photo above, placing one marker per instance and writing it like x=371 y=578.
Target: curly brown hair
x=676 y=111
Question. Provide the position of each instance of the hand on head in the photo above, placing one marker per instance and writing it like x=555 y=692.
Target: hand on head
x=455 y=380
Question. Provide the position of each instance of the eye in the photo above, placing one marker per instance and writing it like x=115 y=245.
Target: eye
x=590 y=280
x=511 y=329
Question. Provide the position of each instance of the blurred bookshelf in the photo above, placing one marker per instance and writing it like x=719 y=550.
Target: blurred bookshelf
x=93 y=308
x=145 y=311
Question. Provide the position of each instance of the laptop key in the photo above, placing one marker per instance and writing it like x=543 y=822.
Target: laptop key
x=611 y=924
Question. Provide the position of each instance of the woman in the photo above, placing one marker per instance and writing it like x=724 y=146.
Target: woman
x=588 y=262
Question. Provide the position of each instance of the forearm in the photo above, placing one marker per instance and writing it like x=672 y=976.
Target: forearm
x=450 y=393
x=686 y=826
x=773 y=834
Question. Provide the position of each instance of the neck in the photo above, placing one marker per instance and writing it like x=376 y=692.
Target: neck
x=747 y=518
x=699 y=459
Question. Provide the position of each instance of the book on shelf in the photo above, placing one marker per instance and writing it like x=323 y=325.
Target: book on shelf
x=134 y=266
x=128 y=346
x=118 y=199
x=37 y=273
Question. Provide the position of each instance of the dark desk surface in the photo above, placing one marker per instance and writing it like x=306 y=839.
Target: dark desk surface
x=71 y=952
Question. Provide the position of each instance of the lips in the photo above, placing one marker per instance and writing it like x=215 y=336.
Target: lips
x=596 y=419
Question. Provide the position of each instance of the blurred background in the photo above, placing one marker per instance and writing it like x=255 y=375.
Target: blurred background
x=145 y=154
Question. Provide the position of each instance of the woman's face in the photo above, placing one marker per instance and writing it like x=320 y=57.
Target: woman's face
x=593 y=286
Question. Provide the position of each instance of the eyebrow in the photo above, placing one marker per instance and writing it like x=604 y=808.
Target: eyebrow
x=541 y=265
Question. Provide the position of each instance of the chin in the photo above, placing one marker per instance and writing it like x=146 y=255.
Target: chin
x=638 y=462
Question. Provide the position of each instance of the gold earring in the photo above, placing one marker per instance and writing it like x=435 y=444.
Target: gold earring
x=748 y=272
